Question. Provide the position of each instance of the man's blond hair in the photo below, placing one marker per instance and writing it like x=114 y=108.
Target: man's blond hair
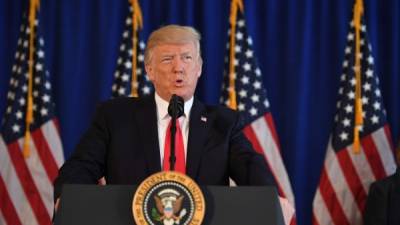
x=172 y=34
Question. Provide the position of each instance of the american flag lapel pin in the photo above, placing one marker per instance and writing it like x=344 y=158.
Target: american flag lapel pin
x=203 y=118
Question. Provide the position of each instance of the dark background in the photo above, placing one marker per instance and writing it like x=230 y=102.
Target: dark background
x=299 y=44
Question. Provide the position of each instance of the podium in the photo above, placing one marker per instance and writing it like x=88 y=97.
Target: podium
x=112 y=204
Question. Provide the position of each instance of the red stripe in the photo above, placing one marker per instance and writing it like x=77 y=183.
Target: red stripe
x=386 y=128
x=45 y=154
x=353 y=180
x=293 y=220
x=6 y=206
x=249 y=132
x=331 y=201
x=57 y=125
x=373 y=157
x=28 y=185
x=314 y=220
x=271 y=126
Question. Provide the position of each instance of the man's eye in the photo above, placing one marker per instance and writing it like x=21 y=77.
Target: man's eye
x=166 y=60
x=187 y=58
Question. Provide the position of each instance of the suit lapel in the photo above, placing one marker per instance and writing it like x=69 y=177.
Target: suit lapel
x=198 y=126
x=147 y=123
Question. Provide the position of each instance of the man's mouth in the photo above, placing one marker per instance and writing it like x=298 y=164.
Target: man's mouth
x=178 y=83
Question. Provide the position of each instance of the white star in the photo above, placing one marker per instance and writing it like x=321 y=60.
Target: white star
x=47 y=85
x=249 y=41
x=41 y=41
x=9 y=109
x=350 y=37
x=374 y=119
x=35 y=93
x=338 y=104
x=37 y=80
x=43 y=112
x=125 y=77
x=146 y=90
x=240 y=23
x=241 y=107
x=142 y=45
x=130 y=52
x=353 y=81
x=351 y=95
x=40 y=53
x=377 y=105
x=348 y=50
x=369 y=73
x=18 y=114
x=140 y=57
x=236 y=62
x=249 y=53
x=128 y=21
x=238 y=48
x=14 y=68
x=39 y=67
x=362 y=42
x=125 y=34
x=340 y=91
x=343 y=77
x=247 y=67
x=364 y=100
x=245 y=80
x=24 y=88
x=348 y=108
x=258 y=72
x=356 y=68
x=128 y=64
x=344 y=136
x=345 y=63
x=119 y=61
x=22 y=101
x=363 y=28
x=243 y=93
x=25 y=44
x=122 y=47
x=114 y=87
x=370 y=60
x=239 y=35
x=253 y=111
x=46 y=98
x=266 y=103
x=346 y=122
x=367 y=86
x=121 y=91
x=138 y=71
x=257 y=85
x=255 y=98
x=377 y=92
x=15 y=128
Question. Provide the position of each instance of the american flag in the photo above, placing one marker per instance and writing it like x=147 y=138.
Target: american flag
x=253 y=104
x=122 y=85
x=26 y=183
x=346 y=175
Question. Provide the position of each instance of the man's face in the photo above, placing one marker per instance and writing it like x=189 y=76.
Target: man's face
x=174 y=69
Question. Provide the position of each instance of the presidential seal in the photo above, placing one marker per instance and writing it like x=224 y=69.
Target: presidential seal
x=168 y=198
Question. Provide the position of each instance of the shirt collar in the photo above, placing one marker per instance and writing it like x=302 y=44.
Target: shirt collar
x=162 y=107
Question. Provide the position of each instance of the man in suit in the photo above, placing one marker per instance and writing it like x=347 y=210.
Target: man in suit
x=126 y=140
x=383 y=202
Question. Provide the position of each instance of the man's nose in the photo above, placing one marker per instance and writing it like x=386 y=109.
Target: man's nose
x=178 y=65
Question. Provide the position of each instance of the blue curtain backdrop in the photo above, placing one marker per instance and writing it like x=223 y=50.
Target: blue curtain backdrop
x=299 y=45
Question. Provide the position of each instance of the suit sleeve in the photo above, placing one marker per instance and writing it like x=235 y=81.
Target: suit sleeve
x=247 y=167
x=375 y=209
x=86 y=165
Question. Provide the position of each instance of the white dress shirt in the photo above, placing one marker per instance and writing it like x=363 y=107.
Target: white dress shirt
x=163 y=119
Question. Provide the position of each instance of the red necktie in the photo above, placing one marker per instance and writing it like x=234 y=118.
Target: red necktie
x=179 y=149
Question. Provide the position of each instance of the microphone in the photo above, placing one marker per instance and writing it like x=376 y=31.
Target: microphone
x=175 y=110
x=175 y=107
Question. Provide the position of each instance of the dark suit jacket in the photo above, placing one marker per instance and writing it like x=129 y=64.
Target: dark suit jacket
x=383 y=203
x=122 y=145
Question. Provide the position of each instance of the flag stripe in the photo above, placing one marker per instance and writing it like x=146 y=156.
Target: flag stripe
x=273 y=155
x=50 y=131
x=28 y=184
x=45 y=154
x=340 y=186
x=373 y=157
x=352 y=178
x=271 y=125
x=250 y=134
x=321 y=214
x=330 y=199
x=13 y=186
x=7 y=210
x=363 y=167
x=382 y=140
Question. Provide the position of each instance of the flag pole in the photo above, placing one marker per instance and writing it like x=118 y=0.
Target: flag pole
x=34 y=5
x=358 y=121
x=137 y=23
x=235 y=5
